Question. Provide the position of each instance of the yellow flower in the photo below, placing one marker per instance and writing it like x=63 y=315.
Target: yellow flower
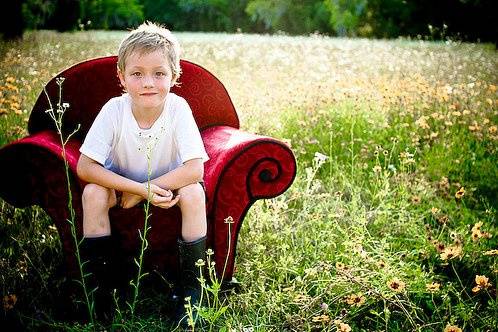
x=9 y=301
x=493 y=129
x=416 y=199
x=459 y=194
x=355 y=299
x=340 y=266
x=451 y=252
x=396 y=285
x=342 y=327
x=381 y=264
x=433 y=287
x=452 y=328
x=492 y=252
x=482 y=281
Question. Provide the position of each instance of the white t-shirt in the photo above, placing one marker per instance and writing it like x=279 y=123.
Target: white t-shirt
x=117 y=142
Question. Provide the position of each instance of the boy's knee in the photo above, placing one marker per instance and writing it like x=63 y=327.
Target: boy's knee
x=95 y=195
x=192 y=196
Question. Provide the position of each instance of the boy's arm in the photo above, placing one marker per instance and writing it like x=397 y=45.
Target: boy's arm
x=192 y=171
x=91 y=171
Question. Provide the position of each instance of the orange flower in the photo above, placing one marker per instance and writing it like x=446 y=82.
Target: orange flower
x=9 y=301
x=396 y=285
x=452 y=328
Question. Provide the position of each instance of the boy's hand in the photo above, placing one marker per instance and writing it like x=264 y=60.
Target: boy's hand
x=161 y=197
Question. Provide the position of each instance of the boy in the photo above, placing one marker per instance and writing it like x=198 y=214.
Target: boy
x=146 y=126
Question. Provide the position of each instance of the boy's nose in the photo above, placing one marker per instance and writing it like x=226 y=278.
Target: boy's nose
x=148 y=81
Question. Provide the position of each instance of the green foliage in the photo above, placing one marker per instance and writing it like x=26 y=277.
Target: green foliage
x=111 y=14
x=385 y=134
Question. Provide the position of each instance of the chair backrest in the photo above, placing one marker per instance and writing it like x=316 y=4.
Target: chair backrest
x=90 y=84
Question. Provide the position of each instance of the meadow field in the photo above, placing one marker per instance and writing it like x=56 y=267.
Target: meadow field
x=391 y=223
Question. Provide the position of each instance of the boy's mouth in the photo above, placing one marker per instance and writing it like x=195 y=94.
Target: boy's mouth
x=148 y=94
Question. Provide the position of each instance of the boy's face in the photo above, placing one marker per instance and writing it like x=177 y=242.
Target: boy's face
x=147 y=78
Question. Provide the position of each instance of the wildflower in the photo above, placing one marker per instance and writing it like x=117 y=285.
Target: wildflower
x=355 y=299
x=229 y=220
x=3 y=111
x=381 y=264
x=320 y=158
x=10 y=79
x=302 y=299
x=492 y=252
x=482 y=281
x=460 y=193
x=443 y=219
x=324 y=306
x=340 y=266
x=477 y=233
x=416 y=199
x=451 y=252
x=439 y=246
x=435 y=210
x=321 y=319
x=209 y=252
x=200 y=263
x=452 y=328
x=396 y=285
x=342 y=327
x=493 y=129
x=444 y=183
x=433 y=287
x=9 y=301
x=376 y=169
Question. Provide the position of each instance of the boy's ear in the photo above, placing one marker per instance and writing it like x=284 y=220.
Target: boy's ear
x=121 y=78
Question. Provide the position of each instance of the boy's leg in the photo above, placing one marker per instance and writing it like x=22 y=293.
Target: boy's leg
x=192 y=203
x=97 y=246
x=192 y=246
x=97 y=201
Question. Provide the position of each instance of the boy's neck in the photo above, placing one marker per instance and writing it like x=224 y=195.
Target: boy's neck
x=146 y=117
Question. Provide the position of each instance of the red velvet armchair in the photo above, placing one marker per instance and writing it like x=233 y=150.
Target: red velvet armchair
x=243 y=167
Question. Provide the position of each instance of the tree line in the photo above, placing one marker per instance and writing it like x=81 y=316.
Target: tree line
x=459 y=19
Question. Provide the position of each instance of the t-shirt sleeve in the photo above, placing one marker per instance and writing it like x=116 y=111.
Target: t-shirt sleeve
x=187 y=135
x=98 y=141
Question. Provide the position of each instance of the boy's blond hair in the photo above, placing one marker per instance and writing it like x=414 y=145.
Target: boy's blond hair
x=150 y=37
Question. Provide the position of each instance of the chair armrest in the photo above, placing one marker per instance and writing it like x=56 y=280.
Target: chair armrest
x=28 y=165
x=243 y=167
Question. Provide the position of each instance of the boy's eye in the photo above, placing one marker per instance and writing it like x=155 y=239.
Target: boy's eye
x=136 y=74
x=160 y=73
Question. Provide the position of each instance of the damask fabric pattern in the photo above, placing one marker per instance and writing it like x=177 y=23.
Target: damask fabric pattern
x=242 y=168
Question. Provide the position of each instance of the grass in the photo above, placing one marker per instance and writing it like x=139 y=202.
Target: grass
x=391 y=222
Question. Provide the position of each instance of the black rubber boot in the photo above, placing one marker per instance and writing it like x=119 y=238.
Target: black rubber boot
x=189 y=253
x=96 y=252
